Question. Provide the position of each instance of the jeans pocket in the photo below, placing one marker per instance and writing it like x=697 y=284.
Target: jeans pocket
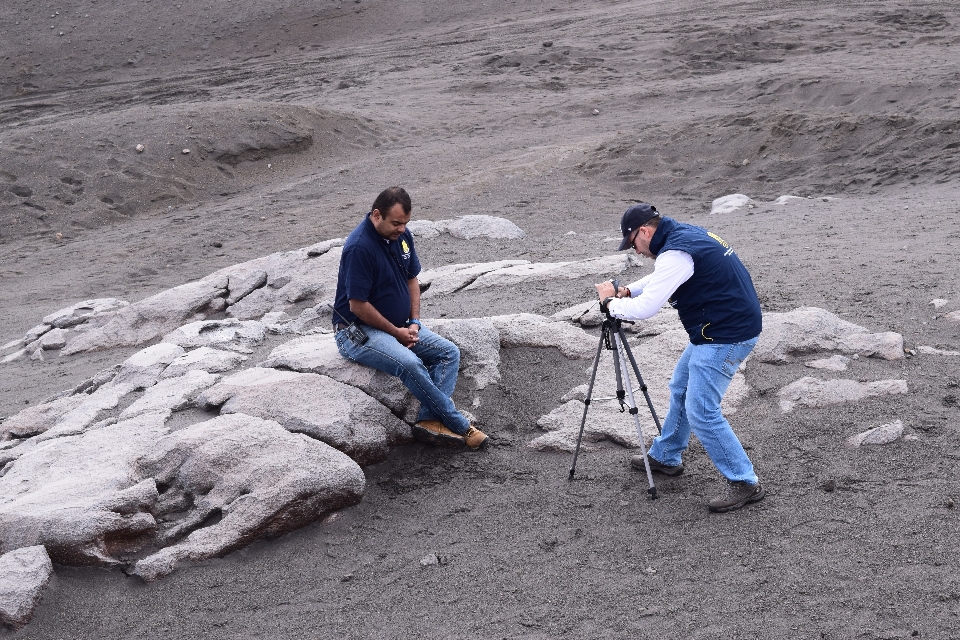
x=732 y=361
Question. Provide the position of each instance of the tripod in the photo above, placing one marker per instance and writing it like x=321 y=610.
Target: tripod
x=613 y=338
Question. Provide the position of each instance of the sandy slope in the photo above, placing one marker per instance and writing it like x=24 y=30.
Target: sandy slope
x=296 y=114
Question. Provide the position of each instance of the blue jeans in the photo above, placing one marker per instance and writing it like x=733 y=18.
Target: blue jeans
x=699 y=381
x=429 y=370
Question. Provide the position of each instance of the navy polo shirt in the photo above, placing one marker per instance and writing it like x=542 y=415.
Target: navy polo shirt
x=375 y=270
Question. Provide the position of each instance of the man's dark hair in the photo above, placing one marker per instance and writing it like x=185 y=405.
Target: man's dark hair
x=391 y=196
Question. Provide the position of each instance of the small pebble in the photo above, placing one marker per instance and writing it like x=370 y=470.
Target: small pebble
x=140 y=148
x=596 y=112
x=185 y=152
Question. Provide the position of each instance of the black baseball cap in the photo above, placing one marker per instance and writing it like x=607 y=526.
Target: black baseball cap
x=634 y=218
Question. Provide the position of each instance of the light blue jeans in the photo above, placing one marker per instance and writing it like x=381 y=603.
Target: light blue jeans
x=429 y=370
x=699 y=381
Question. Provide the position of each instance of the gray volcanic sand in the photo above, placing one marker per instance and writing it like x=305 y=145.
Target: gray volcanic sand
x=297 y=113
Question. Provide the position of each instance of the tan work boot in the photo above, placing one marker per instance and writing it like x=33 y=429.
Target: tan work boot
x=435 y=432
x=475 y=438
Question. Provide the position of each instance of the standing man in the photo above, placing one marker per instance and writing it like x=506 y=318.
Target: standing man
x=704 y=280
x=377 y=319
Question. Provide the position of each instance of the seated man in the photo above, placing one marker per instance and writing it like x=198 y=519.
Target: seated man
x=377 y=322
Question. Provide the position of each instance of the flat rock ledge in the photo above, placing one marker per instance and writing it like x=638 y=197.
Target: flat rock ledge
x=814 y=392
x=24 y=574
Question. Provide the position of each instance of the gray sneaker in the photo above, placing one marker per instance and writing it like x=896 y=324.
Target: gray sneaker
x=738 y=494
x=656 y=466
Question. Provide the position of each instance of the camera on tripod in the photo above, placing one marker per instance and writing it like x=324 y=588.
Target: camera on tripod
x=613 y=338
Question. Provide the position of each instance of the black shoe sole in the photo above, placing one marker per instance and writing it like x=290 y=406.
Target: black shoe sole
x=756 y=497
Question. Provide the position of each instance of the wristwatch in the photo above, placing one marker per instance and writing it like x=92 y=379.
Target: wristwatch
x=415 y=321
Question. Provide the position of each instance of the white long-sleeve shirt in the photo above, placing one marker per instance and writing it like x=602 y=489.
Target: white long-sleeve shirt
x=647 y=295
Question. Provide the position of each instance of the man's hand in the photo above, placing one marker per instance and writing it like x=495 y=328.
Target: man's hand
x=605 y=290
x=408 y=336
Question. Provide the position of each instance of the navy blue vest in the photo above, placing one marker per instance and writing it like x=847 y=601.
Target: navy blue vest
x=718 y=304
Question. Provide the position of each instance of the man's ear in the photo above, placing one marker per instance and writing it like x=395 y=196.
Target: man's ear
x=375 y=214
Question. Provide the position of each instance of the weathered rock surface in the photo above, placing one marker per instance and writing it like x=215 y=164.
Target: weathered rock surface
x=258 y=477
x=833 y=363
x=171 y=394
x=479 y=342
x=82 y=311
x=68 y=418
x=318 y=354
x=203 y=359
x=24 y=574
x=814 y=392
x=480 y=226
x=451 y=278
x=245 y=291
x=145 y=367
x=37 y=419
x=529 y=330
x=152 y=317
x=80 y=496
x=884 y=434
x=232 y=334
x=335 y=413
x=729 y=203
x=467 y=227
x=607 y=265
x=933 y=351
x=812 y=330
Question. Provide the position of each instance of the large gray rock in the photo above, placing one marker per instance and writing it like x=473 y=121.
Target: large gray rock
x=813 y=330
x=24 y=574
x=236 y=335
x=260 y=479
x=81 y=497
x=215 y=396
x=74 y=419
x=318 y=354
x=145 y=367
x=451 y=278
x=151 y=317
x=203 y=359
x=171 y=394
x=536 y=272
x=291 y=277
x=37 y=419
x=529 y=330
x=335 y=413
x=83 y=311
x=467 y=227
x=479 y=342
x=481 y=226
x=814 y=392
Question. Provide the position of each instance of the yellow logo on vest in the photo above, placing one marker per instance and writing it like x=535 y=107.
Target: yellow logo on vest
x=718 y=239
x=405 y=246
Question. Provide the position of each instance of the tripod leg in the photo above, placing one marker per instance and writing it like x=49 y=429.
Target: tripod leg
x=642 y=384
x=586 y=402
x=621 y=365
